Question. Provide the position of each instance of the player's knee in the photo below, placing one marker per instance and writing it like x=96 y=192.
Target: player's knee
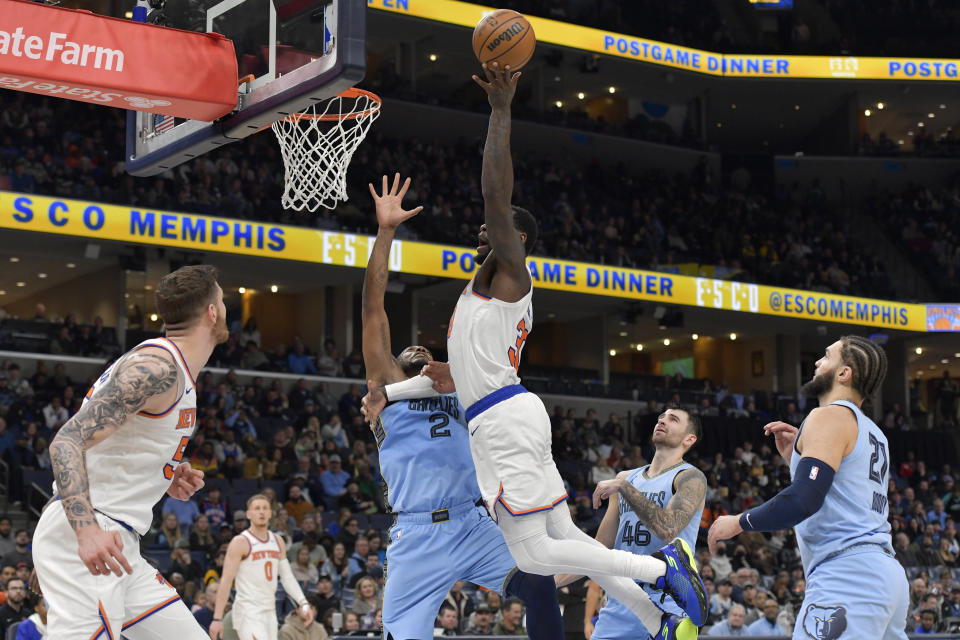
x=530 y=586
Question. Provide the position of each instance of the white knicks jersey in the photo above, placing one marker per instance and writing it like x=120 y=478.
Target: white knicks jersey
x=485 y=338
x=256 y=581
x=131 y=469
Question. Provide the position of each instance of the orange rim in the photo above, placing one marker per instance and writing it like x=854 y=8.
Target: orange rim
x=353 y=92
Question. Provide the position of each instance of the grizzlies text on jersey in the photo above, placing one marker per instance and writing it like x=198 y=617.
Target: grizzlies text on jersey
x=425 y=454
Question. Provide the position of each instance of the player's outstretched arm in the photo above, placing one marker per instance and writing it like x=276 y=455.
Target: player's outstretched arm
x=139 y=378
x=497 y=186
x=829 y=434
x=378 y=358
x=236 y=550
x=667 y=522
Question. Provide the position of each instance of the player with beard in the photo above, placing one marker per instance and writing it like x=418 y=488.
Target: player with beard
x=837 y=503
x=442 y=532
x=113 y=461
x=656 y=503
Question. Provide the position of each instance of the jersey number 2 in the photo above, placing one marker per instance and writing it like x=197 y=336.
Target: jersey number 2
x=438 y=425
x=513 y=353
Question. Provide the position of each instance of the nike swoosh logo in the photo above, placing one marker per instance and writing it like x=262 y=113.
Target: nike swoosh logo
x=188 y=391
x=475 y=430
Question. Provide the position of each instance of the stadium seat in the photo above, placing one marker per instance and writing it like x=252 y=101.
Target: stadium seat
x=245 y=486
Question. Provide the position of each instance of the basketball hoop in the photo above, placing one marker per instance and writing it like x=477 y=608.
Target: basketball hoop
x=317 y=147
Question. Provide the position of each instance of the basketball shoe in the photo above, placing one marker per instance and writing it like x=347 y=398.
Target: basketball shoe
x=675 y=628
x=682 y=581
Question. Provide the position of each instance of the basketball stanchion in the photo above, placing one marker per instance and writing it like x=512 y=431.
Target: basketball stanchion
x=317 y=146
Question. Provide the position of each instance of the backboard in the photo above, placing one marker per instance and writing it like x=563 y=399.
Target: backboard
x=290 y=54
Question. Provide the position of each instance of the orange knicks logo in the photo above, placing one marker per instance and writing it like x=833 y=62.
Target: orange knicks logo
x=188 y=418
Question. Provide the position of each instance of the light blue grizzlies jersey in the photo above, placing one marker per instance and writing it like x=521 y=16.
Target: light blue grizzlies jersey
x=425 y=454
x=855 y=509
x=616 y=620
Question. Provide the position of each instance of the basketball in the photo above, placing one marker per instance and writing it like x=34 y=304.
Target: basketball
x=505 y=37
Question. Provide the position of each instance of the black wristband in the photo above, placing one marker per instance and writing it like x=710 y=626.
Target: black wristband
x=217 y=620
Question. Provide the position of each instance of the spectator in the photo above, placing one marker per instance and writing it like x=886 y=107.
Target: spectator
x=733 y=625
x=305 y=571
x=316 y=553
x=482 y=621
x=17 y=608
x=18 y=386
x=299 y=362
x=355 y=501
x=7 y=537
x=509 y=625
x=250 y=332
x=21 y=550
x=334 y=479
x=447 y=621
x=928 y=620
x=333 y=430
x=328 y=363
x=55 y=414
x=213 y=506
x=337 y=567
x=63 y=343
x=722 y=600
x=204 y=616
x=297 y=505
x=951 y=606
x=367 y=598
x=186 y=511
x=201 y=536
x=170 y=532
x=358 y=559
x=182 y=563
x=324 y=597
x=462 y=604
x=294 y=628
x=767 y=625
x=35 y=626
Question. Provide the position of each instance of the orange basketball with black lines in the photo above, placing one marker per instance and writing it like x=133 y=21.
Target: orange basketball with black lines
x=505 y=37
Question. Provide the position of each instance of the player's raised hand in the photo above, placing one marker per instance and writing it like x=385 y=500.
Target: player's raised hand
x=605 y=489
x=439 y=372
x=723 y=528
x=500 y=84
x=102 y=551
x=784 y=434
x=373 y=403
x=186 y=482
x=389 y=202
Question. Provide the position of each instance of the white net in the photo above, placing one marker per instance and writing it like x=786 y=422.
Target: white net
x=317 y=145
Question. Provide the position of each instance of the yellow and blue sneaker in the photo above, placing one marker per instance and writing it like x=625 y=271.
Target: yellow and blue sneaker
x=682 y=582
x=675 y=628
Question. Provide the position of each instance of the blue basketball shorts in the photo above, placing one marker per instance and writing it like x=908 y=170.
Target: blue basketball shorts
x=425 y=558
x=861 y=593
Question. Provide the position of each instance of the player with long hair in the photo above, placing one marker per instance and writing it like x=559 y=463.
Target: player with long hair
x=837 y=503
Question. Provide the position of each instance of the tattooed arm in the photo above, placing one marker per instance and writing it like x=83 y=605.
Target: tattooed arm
x=378 y=358
x=690 y=490
x=137 y=382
